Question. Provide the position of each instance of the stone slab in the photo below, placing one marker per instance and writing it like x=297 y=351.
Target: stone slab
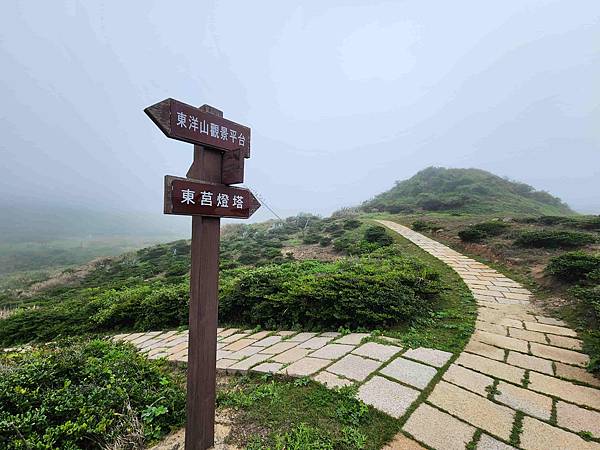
x=491 y=367
x=331 y=380
x=489 y=351
x=401 y=442
x=530 y=362
x=245 y=364
x=268 y=341
x=374 y=350
x=229 y=332
x=354 y=367
x=315 y=343
x=292 y=355
x=387 y=396
x=259 y=335
x=501 y=341
x=472 y=408
x=552 y=329
x=576 y=373
x=429 y=356
x=233 y=337
x=352 y=338
x=268 y=367
x=332 y=351
x=565 y=342
x=526 y=335
x=302 y=337
x=410 y=372
x=245 y=352
x=305 y=366
x=578 y=419
x=566 y=390
x=529 y=402
x=239 y=344
x=468 y=379
x=438 y=429
x=550 y=321
x=559 y=354
x=489 y=443
x=225 y=363
x=280 y=347
x=538 y=435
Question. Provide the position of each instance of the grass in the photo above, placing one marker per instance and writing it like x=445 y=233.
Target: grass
x=464 y=191
x=281 y=413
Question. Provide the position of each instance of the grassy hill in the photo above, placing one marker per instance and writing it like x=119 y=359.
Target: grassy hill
x=471 y=191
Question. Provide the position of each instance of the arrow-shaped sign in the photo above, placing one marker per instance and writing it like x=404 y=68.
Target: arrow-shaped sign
x=184 y=196
x=187 y=123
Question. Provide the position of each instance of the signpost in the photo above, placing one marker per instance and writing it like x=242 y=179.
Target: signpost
x=219 y=151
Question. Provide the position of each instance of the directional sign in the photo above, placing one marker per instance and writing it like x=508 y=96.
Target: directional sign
x=199 y=126
x=188 y=197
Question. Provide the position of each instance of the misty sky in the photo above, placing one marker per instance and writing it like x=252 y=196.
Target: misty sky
x=343 y=97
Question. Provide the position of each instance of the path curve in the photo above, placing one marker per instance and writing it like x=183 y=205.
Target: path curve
x=520 y=379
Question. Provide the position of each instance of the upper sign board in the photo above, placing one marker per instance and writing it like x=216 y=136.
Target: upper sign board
x=197 y=126
x=188 y=197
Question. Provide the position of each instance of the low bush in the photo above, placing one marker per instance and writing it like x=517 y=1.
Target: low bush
x=351 y=224
x=379 y=289
x=378 y=235
x=471 y=235
x=554 y=239
x=139 y=307
x=424 y=225
x=573 y=267
x=480 y=231
x=86 y=395
x=325 y=241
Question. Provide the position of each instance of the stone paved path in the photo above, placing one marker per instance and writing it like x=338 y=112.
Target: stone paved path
x=521 y=374
x=388 y=377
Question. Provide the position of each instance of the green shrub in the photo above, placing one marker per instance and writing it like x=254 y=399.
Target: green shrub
x=480 y=231
x=350 y=224
x=554 y=239
x=89 y=395
x=554 y=220
x=573 y=267
x=471 y=235
x=379 y=289
x=590 y=296
x=377 y=234
x=325 y=241
x=589 y=223
x=422 y=225
x=311 y=238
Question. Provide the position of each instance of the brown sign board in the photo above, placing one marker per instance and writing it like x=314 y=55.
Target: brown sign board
x=232 y=170
x=200 y=126
x=184 y=196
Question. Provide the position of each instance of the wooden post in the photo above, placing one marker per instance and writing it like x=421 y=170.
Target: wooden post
x=204 y=289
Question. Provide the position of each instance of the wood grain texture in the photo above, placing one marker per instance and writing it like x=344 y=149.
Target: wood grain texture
x=204 y=286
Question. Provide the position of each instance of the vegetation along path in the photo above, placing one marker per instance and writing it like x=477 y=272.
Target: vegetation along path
x=519 y=383
x=520 y=379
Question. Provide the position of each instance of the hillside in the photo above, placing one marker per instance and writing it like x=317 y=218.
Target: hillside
x=471 y=191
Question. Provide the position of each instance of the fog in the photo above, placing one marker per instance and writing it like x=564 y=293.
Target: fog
x=343 y=97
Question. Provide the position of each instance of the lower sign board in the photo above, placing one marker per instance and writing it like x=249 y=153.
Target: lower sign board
x=188 y=197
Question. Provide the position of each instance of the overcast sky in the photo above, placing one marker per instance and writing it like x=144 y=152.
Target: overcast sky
x=343 y=97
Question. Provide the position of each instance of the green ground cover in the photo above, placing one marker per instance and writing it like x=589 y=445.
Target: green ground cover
x=84 y=394
x=460 y=191
x=302 y=414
